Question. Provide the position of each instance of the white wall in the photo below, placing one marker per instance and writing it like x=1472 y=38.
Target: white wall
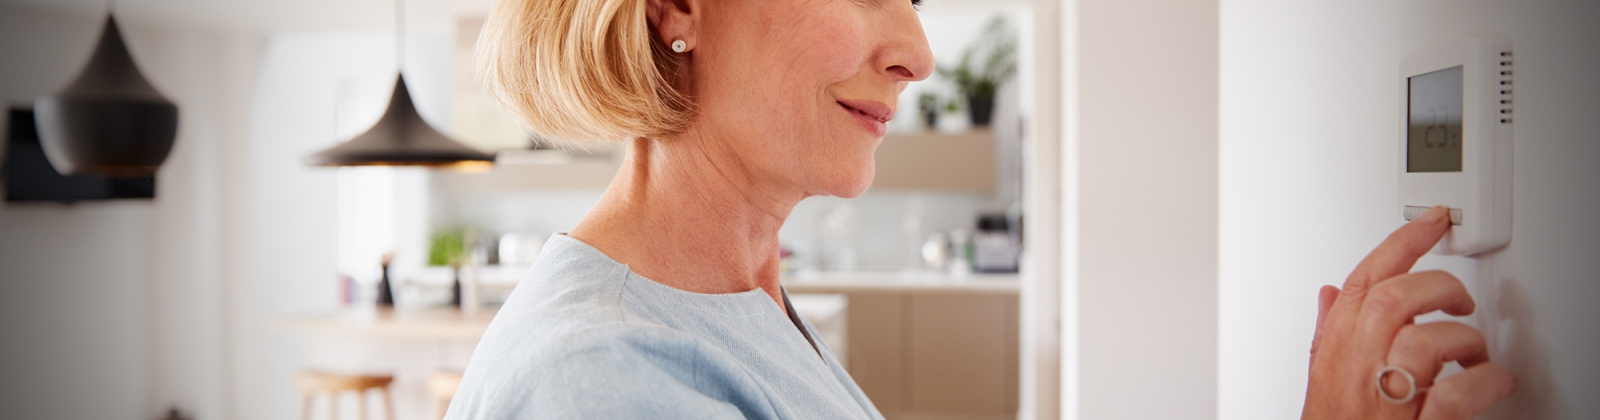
x=289 y=244
x=122 y=309
x=1142 y=175
x=1309 y=117
x=111 y=309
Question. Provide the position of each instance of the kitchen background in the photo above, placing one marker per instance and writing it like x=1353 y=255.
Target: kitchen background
x=1191 y=172
x=884 y=275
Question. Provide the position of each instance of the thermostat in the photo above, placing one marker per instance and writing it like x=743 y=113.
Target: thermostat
x=1455 y=142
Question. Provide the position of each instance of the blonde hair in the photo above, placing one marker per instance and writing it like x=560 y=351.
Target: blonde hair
x=581 y=71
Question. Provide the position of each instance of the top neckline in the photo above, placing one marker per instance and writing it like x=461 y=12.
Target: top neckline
x=750 y=302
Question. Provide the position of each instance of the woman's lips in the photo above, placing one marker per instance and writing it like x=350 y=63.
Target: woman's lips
x=872 y=115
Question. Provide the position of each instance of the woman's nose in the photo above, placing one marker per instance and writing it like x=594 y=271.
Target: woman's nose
x=906 y=56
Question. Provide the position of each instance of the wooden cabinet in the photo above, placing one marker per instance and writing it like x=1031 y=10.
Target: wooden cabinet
x=963 y=162
x=936 y=355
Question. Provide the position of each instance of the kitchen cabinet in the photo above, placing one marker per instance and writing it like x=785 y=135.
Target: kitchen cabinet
x=959 y=162
x=930 y=346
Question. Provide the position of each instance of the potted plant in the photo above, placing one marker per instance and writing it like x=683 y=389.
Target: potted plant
x=986 y=65
x=928 y=103
x=449 y=248
x=953 y=121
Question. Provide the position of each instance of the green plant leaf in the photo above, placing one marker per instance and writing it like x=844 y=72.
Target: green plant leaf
x=448 y=248
x=998 y=47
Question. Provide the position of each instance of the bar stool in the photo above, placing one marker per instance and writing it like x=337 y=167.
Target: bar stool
x=442 y=385
x=312 y=383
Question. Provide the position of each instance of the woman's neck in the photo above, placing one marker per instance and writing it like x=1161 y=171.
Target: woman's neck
x=685 y=213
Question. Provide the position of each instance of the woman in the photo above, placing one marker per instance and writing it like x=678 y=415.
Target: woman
x=664 y=301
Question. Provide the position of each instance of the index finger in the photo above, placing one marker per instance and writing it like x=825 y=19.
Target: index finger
x=1400 y=250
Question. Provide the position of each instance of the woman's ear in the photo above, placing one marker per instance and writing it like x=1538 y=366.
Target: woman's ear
x=674 y=20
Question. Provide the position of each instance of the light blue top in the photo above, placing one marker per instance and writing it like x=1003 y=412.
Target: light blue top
x=585 y=337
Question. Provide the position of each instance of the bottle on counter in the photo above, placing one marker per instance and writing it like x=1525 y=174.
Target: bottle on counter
x=385 y=290
x=960 y=252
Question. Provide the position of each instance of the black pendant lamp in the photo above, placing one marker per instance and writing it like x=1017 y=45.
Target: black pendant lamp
x=401 y=137
x=109 y=121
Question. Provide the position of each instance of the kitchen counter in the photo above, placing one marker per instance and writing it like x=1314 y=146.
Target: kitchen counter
x=825 y=312
x=901 y=335
x=503 y=278
x=429 y=323
x=901 y=282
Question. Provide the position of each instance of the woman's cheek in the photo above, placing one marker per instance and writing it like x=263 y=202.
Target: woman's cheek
x=826 y=39
x=840 y=53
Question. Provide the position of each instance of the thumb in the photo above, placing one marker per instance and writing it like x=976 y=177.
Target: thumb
x=1325 y=299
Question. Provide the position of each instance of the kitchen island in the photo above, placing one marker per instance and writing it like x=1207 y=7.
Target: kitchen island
x=905 y=338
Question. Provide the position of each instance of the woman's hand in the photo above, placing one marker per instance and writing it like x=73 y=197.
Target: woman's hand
x=1370 y=325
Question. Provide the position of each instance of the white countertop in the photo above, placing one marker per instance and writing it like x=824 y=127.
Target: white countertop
x=427 y=323
x=445 y=323
x=504 y=277
x=901 y=282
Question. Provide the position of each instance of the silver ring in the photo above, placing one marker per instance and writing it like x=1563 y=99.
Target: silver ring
x=1410 y=381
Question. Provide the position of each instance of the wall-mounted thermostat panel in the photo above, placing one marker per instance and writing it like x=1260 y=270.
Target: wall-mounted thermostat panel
x=1455 y=143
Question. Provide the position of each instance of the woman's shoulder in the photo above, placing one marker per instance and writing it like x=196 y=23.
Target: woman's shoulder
x=574 y=343
x=605 y=369
x=569 y=293
x=576 y=361
x=571 y=282
x=564 y=341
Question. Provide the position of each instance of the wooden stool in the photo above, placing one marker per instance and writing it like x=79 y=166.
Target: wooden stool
x=442 y=385
x=311 y=383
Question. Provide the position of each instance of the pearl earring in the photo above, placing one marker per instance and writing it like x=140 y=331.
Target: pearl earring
x=678 y=45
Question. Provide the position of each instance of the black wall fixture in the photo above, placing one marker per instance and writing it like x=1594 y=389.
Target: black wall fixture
x=29 y=176
x=109 y=121
x=401 y=137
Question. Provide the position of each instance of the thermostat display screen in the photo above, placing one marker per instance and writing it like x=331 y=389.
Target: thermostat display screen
x=1433 y=129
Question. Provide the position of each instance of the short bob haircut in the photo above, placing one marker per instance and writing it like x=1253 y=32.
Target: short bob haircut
x=582 y=71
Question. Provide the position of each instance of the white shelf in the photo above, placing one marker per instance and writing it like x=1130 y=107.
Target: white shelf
x=901 y=282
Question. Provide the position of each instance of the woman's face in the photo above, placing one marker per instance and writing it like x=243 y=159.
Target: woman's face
x=797 y=92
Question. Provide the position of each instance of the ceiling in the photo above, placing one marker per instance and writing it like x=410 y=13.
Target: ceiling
x=269 y=15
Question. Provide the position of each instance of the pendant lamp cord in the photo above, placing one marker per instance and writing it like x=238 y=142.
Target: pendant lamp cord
x=400 y=35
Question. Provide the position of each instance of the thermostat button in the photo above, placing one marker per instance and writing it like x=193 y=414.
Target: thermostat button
x=1413 y=212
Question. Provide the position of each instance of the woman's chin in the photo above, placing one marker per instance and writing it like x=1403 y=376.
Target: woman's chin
x=842 y=171
x=853 y=193
x=849 y=186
